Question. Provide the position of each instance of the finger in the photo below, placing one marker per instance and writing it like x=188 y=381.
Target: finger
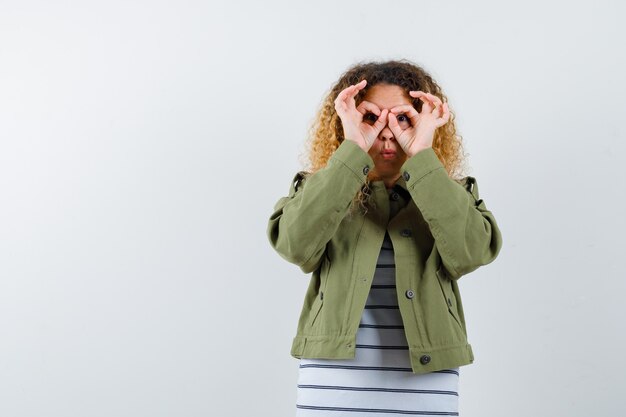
x=394 y=126
x=446 y=114
x=350 y=102
x=340 y=103
x=343 y=96
x=428 y=105
x=354 y=89
x=340 y=107
x=349 y=92
x=346 y=92
x=438 y=104
x=435 y=99
x=437 y=110
x=418 y=94
x=381 y=121
x=366 y=106
x=409 y=111
x=343 y=104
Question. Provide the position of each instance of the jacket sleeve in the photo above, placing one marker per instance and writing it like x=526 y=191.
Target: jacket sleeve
x=465 y=231
x=304 y=221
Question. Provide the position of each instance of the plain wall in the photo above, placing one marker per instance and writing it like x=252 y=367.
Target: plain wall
x=143 y=145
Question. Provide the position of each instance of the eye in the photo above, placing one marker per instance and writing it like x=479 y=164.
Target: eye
x=370 y=117
x=402 y=118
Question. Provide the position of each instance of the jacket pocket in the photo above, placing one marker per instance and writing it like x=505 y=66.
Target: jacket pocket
x=316 y=308
x=448 y=294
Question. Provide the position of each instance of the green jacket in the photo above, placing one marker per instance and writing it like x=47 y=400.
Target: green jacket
x=443 y=233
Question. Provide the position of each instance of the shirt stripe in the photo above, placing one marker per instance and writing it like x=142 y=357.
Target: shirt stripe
x=379 y=381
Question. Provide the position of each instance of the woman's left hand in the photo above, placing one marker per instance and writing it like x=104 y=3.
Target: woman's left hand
x=420 y=135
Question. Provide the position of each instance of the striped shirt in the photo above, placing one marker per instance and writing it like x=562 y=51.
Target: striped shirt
x=379 y=380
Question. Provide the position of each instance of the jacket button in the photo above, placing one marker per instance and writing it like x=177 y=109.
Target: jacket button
x=409 y=293
x=395 y=196
x=366 y=169
x=406 y=176
x=406 y=232
x=424 y=359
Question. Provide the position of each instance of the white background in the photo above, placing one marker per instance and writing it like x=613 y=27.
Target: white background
x=143 y=145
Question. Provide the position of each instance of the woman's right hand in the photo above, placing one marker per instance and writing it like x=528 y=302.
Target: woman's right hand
x=354 y=127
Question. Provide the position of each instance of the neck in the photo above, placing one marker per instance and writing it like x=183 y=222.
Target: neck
x=390 y=180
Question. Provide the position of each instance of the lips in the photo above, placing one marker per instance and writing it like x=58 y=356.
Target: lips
x=388 y=152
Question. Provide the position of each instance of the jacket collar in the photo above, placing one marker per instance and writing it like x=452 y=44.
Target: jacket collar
x=401 y=182
x=400 y=185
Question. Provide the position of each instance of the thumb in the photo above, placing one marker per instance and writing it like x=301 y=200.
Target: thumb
x=394 y=126
x=381 y=121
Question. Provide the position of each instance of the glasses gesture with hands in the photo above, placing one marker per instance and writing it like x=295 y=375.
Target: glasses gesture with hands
x=421 y=133
x=354 y=127
x=412 y=138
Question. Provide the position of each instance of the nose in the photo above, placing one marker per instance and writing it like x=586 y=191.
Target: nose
x=386 y=134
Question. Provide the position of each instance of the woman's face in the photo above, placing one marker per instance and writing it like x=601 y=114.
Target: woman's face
x=388 y=156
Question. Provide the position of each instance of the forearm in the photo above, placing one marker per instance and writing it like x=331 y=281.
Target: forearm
x=465 y=232
x=303 y=222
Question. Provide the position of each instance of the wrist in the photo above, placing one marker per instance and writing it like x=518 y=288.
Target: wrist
x=416 y=150
x=360 y=144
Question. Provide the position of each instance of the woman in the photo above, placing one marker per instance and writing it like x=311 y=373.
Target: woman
x=386 y=230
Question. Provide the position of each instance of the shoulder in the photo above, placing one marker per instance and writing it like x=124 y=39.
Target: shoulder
x=466 y=181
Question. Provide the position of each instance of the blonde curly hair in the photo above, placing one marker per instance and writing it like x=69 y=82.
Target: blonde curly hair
x=326 y=131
